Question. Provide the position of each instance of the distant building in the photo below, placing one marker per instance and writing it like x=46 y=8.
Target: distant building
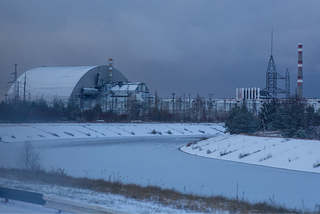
x=86 y=85
x=108 y=87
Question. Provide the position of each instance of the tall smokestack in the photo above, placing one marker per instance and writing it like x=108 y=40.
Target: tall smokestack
x=300 y=74
x=110 y=69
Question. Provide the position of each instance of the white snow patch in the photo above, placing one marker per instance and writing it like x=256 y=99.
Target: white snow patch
x=41 y=131
x=286 y=153
x=111 y=201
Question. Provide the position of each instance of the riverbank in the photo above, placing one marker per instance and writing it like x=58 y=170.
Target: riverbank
x=284 y=153
x=49 y=131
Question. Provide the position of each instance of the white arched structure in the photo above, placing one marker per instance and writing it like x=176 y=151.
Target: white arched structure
x=61 y=83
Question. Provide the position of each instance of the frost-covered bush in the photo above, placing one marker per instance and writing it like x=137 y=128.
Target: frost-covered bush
x=155 y=132
x=225 y=153
x=28 y=158
x=243 y=155
x=58 y=171
x=69 y=134
x=317 y=164
x=266 y=157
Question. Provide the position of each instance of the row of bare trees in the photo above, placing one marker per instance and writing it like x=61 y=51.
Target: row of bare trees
x=155 y=109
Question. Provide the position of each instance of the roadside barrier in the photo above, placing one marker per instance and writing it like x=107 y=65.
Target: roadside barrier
x=52 y=202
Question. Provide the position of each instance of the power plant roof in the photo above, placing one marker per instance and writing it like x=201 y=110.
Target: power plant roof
x=61 y=82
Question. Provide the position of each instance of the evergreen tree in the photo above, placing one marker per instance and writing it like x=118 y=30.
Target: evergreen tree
x=241 y=120
x=57 y=110
x=98 y=111
x=72 y=112
x=267 y=114
x=292 y=119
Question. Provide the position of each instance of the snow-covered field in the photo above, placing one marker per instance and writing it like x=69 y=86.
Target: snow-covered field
x=286 y=153
x=149 y=154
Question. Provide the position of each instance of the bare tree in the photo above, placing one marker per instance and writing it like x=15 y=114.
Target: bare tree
x=28 y=158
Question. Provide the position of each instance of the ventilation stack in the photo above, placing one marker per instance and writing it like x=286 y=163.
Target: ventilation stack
x=110 y=69
x=300 y=74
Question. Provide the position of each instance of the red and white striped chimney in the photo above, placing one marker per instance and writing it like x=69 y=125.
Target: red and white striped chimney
x=300 y=74
x=110 y=69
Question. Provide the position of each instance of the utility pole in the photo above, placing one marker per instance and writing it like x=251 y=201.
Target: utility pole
x=210 y=104
x=16 y=84
x=173 y=102
x=184 y=106
x=189 y=112
x=24 y=88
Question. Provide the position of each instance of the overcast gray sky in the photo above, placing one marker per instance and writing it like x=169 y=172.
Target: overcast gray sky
x=198 y=47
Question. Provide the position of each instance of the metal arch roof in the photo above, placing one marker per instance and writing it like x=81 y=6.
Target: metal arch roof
x=48 y=82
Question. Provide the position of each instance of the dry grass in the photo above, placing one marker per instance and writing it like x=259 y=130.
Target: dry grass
x=166 y=197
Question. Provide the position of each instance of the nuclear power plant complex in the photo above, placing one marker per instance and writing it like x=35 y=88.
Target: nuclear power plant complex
x=107 y=86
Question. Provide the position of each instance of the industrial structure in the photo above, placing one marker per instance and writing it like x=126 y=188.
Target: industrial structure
x=86 y=85
x=300 y=74
x=248 y=93
x=272 y=90
x=108 y=87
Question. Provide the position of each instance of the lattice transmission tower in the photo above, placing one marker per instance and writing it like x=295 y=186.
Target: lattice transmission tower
x=271 y=91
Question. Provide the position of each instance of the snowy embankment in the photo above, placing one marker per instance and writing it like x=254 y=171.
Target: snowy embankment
x=293 y=154
x=111 y=201
x=286 y=153
x=49 y=131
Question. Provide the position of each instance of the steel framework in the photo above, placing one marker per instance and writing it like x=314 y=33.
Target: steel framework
x=271 y=91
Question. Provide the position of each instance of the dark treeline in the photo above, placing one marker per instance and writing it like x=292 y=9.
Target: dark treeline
x=40 y=111
x=292 y=119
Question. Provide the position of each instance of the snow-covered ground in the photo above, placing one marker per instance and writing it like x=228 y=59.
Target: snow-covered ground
x=49 y=136
x=82 y=196
x=286 y=153
x=138 y=153
x=49 y=131
x=22 y=207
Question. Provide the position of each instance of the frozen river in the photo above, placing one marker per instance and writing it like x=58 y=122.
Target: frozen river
x=158 y=161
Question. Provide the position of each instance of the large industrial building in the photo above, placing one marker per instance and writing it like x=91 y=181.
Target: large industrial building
x=107 y=86
x=87 y=85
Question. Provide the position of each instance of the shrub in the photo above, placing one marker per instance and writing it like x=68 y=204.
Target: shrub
x=225 y=153
x=155 y=132
x=189 y=144
x=317 y=164
x=69 y=134
x=266 y=157
x=58 y=171
x=243 y=155
x=28 y=158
